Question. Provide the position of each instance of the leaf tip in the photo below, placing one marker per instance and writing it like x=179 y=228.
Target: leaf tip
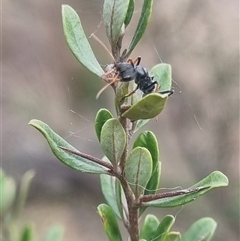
x=31 y=122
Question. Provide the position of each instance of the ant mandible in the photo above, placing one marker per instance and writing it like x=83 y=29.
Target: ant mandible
x=132 y=70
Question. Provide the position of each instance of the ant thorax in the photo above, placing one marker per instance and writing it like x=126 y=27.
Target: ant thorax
x=141 y=72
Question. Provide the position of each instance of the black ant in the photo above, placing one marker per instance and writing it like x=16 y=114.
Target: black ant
x=132 y=70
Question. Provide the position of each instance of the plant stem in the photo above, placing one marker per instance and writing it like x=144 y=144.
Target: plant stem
x=89 y=157
x=152 y=197
x=133 y=209
x=132 y=225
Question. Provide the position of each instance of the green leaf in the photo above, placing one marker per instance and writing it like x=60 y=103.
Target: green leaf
x=149 y=227
x=129 y=12
x=140 y=124
x=109 y=222
x=23 y=192
x=201 y=230
x=7 y=192
x=102 y=116
x=77 y=40
x=162 y=73
x=108 y=186
x=73 y=161
x=55 y=233
x=113 y=140
x=148 y=140
x=138 y=169
x=27 y=233
x=114 y=14
x=164 y=228
x=142 y=25
x=214 y=180
x=148 y=107
x=173 y=236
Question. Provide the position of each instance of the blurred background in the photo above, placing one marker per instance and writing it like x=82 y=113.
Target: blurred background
x=198 y=132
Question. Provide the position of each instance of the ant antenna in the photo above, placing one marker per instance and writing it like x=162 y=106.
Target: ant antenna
x=101 y=43
x=157 y=53
x=106 y=86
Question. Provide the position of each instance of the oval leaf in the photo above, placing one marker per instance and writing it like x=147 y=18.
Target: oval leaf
x=149 y=227
x=75 y=162
x=102 y=116
x=77 y=40
x=109 y=222
x=142 y=25
x=162 y=73
x=164 y=228
x=108 y=186
x=113 y=140
x=214 y=180
x=138 y=169
x=148 y=107
x=148 y=140
x=173 y=236
x=114 y=14
x=201 y=230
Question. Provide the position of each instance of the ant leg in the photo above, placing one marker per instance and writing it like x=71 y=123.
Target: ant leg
x=137 y=60
x=114 y=80
x=169 y=92
x=157 y=87
x=150 y=88
x=131 y=62
x=131 y=93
